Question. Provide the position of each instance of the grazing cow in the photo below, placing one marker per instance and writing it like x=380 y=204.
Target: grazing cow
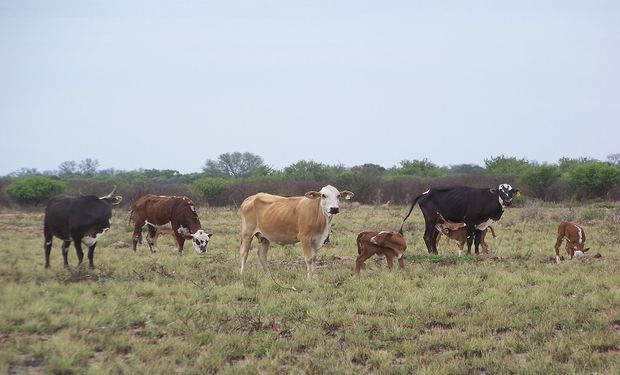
x=288 y=220
x=79 y=219
x=575 y=238
x=390 y=244
x=458 y=232
x=160 y=212
x=477 y=208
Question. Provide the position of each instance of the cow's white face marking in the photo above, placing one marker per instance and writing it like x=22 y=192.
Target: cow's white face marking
x=90 y=241
x=506 y=194
x=330 y=200
x=200 y=241
x=183 y=231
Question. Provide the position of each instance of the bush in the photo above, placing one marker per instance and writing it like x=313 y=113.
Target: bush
x=537 y=178
x=34 y=189
x=210 y=190
x=592 y=179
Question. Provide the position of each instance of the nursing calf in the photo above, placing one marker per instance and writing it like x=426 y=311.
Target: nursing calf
x=390 y=244
x=458 y=232
x=575 y=238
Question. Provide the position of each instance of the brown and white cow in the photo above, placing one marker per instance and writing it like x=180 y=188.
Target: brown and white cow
x=575 y=238
x=288 y=220
x=177 y=213
x=390 y=244
x=458 y=232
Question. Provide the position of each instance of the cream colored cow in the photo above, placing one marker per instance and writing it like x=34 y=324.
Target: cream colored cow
x=288 y=220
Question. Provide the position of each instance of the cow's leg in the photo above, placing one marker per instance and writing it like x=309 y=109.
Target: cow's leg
x=180 y=240
x=77 y=242
x=262 y=252
x=47 y=245
x=390 y=259
x=430 y=238
x=244 y=249
x=470 y=237
x=461 y=245
x=359 y=262
x=477 y=234
x=91 y=255
x=65 y=252
x=137 y=234
x=485 y=247
x=309 y=256
x=558 y=243
x=150 y=237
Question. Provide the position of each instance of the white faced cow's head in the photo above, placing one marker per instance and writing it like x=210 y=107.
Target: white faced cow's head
x=330 y=198
x=200 y=240
x=506 y=194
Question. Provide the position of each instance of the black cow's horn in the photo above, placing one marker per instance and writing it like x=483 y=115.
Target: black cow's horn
x=111 y=193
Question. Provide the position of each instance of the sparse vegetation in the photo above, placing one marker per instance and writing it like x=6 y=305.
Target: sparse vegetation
x=513 y=311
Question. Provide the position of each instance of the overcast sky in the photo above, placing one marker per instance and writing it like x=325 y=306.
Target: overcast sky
x=170 y=84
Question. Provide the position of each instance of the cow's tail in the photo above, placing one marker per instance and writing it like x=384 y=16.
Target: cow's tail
x=409 y=213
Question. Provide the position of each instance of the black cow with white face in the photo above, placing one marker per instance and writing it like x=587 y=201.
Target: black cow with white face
x=477 y=208
x=79 y=219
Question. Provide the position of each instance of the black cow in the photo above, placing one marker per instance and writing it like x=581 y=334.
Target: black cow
x=477 y=208
x=78 y=219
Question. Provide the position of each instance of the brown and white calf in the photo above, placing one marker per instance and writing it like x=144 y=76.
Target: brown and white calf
x=458 y=232
x=390 y=244
x=575 y=238
x=178 y=213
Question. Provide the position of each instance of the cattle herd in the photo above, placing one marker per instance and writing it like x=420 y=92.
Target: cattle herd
x=462 y=213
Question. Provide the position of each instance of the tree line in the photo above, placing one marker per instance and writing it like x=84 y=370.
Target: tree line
x=231 y=177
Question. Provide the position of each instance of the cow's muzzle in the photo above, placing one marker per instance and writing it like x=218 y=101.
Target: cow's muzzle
x=334 y=210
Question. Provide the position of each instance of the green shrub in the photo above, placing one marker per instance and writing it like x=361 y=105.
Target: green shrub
x=211 y=189
x=592 y=179
x=34 y=189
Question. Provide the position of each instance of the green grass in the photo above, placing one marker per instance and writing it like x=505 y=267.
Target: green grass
x=513 y=312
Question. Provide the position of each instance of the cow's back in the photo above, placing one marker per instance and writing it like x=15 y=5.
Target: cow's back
x=153 y=208
x=66 y=214
x=276 y=218
x=460 y=203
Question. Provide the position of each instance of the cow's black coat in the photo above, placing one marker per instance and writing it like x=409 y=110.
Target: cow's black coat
x=461 y=204
x=76 y=218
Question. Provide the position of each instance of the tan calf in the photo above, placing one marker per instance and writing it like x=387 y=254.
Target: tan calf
x=390 y=244
x=575 y=238
x=458 y=232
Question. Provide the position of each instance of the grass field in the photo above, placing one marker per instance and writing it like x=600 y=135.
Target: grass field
x=512 y=312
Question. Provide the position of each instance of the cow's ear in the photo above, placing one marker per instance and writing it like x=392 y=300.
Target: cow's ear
x=493 y=190
x=346 y=194
x=312 y=195
x=115 y=200
x=586 y=249
x=516 y=192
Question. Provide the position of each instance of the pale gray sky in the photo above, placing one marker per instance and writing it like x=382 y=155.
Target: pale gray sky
x=169 y=84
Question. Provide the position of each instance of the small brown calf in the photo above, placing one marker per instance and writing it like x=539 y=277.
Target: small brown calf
x=458 y=232
x=575 y=238
x=390 y=244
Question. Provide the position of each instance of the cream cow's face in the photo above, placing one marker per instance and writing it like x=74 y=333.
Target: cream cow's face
x=330 y=198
